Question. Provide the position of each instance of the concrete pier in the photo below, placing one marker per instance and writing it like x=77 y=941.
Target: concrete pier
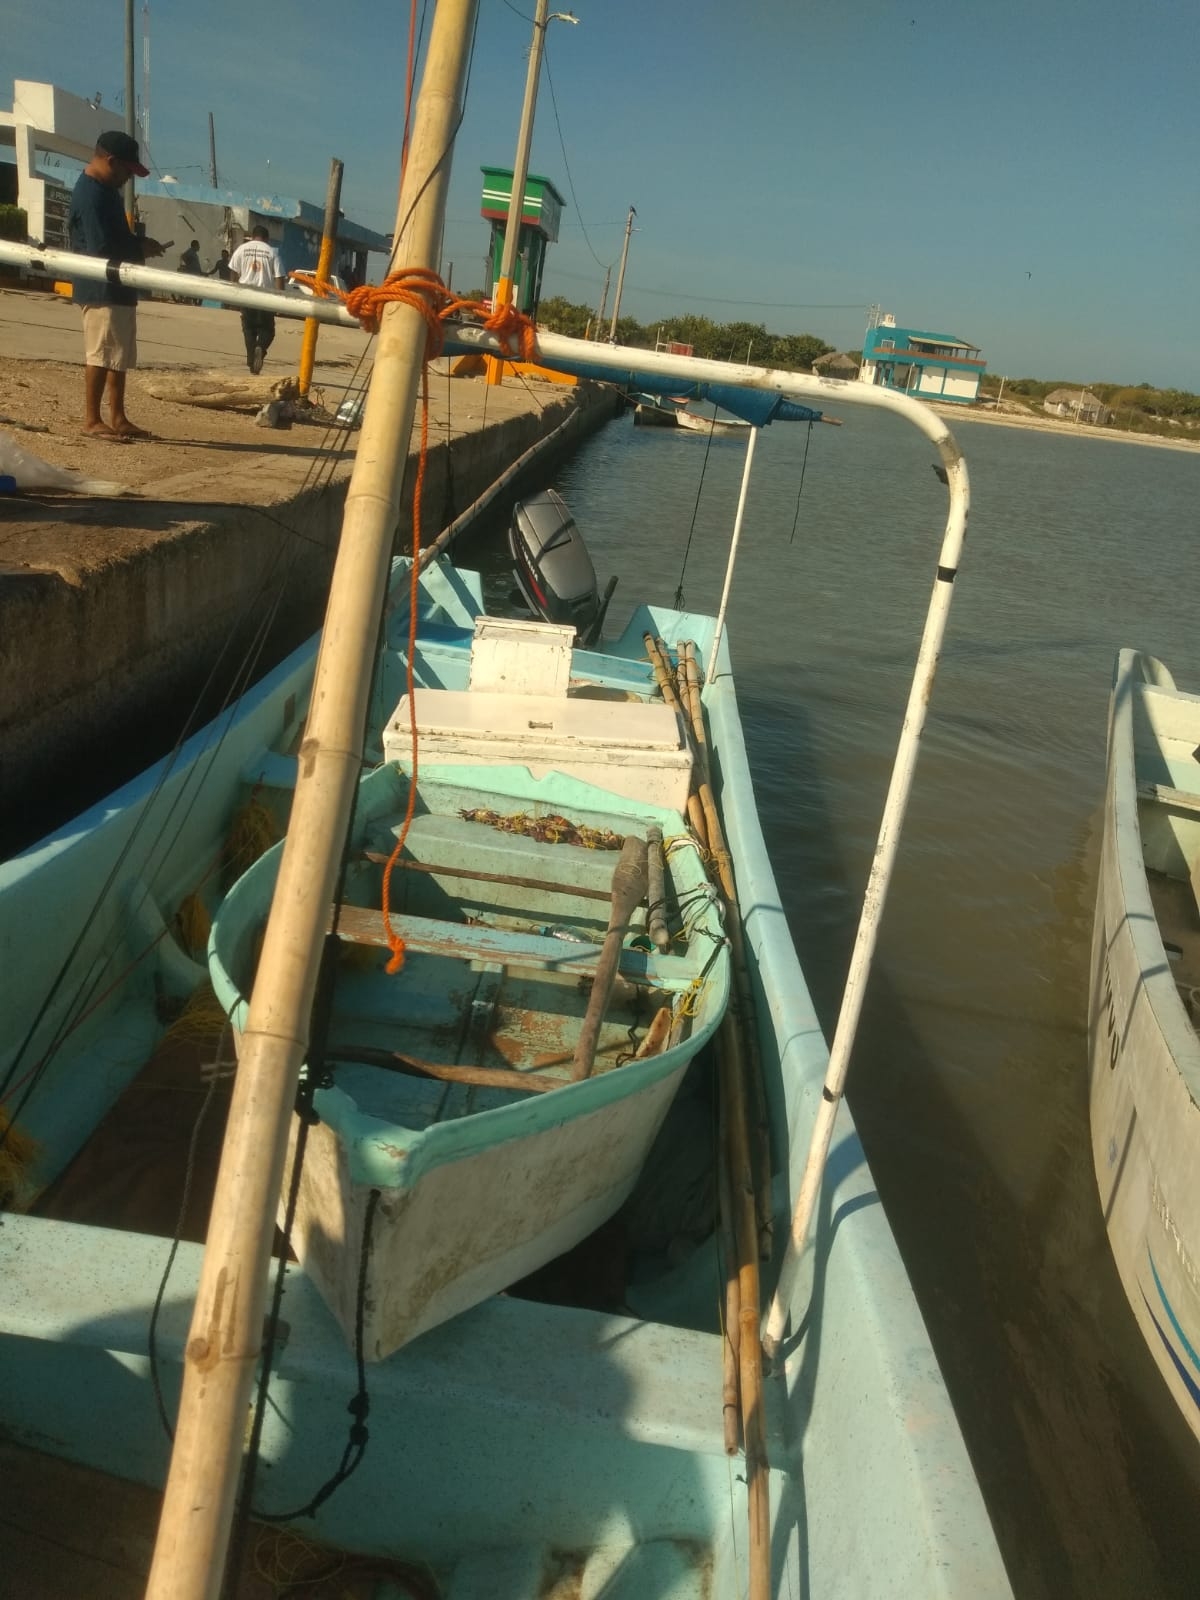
x=122 y=619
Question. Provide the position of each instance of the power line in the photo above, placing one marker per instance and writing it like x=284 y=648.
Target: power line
x=718 y=300
x=567 y=165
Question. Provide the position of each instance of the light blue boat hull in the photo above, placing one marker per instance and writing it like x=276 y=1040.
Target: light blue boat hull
x=520 y=1434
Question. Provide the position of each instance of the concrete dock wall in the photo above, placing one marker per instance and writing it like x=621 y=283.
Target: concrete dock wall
x=100 y=667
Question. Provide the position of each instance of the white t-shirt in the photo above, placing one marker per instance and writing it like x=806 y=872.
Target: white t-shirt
x=256 y=264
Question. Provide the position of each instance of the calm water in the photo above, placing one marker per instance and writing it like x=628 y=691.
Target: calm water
x=969 y=1080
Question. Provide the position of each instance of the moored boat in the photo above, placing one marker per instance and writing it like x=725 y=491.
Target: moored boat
x=691 y=422
x=1143 y=1015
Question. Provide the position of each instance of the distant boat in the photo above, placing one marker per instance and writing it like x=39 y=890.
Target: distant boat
x=656 y=411
x=694 y=423
x=1144 y=1013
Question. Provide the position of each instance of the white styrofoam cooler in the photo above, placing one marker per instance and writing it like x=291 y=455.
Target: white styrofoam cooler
x=628 y=747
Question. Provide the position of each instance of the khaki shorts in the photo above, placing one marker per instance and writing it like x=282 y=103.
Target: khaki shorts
x=110 y=337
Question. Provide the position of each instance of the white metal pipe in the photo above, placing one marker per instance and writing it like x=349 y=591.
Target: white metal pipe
x=62 y=264
x=873 y=903
x=733 y=550
x=808 y=388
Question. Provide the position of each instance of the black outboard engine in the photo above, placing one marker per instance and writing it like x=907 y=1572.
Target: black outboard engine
x=552 y=567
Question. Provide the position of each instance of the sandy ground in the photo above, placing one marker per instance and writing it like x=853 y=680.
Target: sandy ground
x=1035 y=424
x=197 y=456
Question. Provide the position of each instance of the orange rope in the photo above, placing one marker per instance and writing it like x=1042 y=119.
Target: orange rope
x=394 y=941
x=424 y=291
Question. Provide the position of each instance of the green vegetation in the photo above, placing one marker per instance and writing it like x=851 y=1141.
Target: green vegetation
x=714 y=341
x=1170 y=413
x=14 y=224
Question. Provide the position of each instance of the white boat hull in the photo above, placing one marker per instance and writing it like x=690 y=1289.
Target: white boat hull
x=1144 y=1053
x=469 y=1228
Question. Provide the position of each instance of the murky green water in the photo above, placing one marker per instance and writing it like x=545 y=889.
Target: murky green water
x=969 y=1081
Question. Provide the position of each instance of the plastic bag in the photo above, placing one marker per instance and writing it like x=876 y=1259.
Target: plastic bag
x=31 y=472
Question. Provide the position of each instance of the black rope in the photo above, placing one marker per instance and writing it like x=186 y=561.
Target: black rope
x=360 y=1406
x=695 y=512
x=188 y=1173
x=800 y=490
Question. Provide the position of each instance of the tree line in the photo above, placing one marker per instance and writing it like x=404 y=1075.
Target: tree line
x=711 y=341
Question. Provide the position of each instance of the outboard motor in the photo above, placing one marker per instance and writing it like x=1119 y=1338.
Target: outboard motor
x=552 y=567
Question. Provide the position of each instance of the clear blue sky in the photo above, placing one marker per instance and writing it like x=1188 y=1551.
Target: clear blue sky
x=1022 y=173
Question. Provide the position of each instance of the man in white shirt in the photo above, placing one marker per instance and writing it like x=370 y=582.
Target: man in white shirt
x=256 y=264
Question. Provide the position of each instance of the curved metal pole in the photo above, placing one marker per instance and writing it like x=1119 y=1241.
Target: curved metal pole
x=733 y=550
x=878 y=883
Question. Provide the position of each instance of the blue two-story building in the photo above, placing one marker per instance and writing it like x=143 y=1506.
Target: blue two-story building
x=931 y=366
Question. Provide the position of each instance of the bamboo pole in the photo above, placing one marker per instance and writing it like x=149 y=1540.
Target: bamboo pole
x=739 y=1208
x=308 y=340
x=225 y=1340
x=656 y=891
x=730 y=1405
x=719 y=850
x=628 y=889
x=750 y=1364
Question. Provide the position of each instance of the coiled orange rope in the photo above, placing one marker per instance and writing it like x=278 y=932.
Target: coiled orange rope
x=421 y=288
x=424 y=291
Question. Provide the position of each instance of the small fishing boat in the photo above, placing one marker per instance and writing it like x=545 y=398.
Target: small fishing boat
x=656 y=411
x=692 y=422
x=1144 y=1013
x=499 y=1094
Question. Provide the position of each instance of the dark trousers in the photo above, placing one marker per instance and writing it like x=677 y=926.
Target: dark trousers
x=258 y=327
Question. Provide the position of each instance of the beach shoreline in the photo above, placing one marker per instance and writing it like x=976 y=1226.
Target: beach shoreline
x=1084 y=430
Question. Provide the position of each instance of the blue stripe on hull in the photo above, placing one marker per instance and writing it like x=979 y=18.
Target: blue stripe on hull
x=1193 y=1388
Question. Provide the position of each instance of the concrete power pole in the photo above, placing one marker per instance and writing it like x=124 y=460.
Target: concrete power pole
x=212 y=150
x=603 y=301
x=612 y=332
x=130 y=101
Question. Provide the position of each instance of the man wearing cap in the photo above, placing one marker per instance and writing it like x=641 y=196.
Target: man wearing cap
x=97 y=226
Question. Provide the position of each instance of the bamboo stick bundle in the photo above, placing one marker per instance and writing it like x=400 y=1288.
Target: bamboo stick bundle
x=737 y=944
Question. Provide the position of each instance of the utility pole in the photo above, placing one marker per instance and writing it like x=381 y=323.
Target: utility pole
x=146 y=78
x=516 y=200
x=212 y=150
x=612 y=332
x=603 y=299
x=130 y=101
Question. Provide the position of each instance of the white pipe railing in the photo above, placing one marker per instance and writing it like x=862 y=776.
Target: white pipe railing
x=64 y=264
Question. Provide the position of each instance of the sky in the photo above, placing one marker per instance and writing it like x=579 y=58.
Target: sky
x=1022 y=174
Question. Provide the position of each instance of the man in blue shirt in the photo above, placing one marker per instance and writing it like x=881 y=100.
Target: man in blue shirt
x=97 y=226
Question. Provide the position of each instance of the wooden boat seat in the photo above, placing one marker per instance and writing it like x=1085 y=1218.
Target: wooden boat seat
x=478 y=942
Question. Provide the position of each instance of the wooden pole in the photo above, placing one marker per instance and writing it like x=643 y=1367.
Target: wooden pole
x=333 y=201
x=225 y=1340
x=628 y=890
x=212 y=151
x=656 y=891
x=516 y=200
x=612 y=331
x=737 y=946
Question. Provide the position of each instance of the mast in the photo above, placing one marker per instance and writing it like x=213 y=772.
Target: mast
x=225 y=1339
